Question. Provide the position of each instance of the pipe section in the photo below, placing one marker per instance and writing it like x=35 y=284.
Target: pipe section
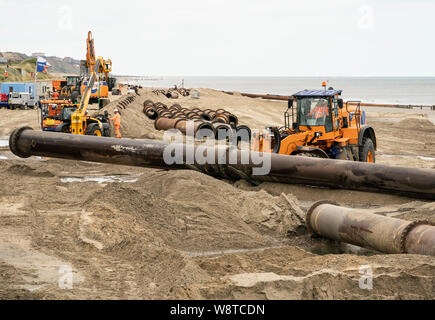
x=366 y=229
x=411 y=182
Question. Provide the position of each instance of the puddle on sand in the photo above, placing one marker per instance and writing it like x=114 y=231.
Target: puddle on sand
x=407 y=157
x=325 y=247
x=4 y=143
x=322 y=248
x=103 y=179
x=226 y=251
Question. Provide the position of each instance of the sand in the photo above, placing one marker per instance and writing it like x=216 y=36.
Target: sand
x=137 y=233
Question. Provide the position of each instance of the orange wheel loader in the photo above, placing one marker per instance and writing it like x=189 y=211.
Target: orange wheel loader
x=323 y=126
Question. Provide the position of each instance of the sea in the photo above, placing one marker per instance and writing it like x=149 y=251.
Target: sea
x=394 y=90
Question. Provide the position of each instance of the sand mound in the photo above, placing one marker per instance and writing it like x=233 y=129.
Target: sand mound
x=415 y=124
x=24 y=170
x=134 y=123
x=190 y=211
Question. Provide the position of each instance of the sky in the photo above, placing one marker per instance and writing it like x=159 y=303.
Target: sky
x=231 y=37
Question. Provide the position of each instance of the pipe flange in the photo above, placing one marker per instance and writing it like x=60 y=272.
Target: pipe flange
x=310 y=212
x=13 y=139
x=408 y=229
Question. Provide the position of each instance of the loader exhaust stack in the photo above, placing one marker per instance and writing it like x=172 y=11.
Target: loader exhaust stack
x=369 y=230
x=411 y=182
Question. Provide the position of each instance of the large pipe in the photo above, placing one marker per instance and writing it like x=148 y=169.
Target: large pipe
x=413 y=182
x=363 y=104
x=369 y=230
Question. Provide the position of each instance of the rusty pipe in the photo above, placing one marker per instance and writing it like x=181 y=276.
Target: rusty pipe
x=233 y=120
x=163 y=123
x=190 y=114
x=175 y=106
x=150 y=112
x=171 y=95
x=159 y=104
x=148 y=102
x=197 y=125
x=203 y=115
x=410 y=182
x=222 y=130
x=373 y=231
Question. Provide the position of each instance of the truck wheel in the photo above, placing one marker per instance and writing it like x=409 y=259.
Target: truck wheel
x=93 y=130
x=367 y=151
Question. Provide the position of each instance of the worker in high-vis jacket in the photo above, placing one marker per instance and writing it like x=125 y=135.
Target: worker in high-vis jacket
x=117 y=122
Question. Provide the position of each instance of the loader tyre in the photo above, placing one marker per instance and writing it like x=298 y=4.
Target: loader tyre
x=93 y=130
x=75 y=96
x=367 y=151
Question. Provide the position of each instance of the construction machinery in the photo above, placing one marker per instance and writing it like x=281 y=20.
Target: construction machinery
x=323 y=127
x=80 y=122
x=71 y=88
x=52 y=113
x=101 y=88
x=67 y=117
x=76 y=85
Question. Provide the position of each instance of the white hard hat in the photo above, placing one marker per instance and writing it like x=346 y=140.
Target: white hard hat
x=115 y=110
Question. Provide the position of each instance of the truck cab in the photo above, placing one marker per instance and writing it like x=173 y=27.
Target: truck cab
x=22 y=100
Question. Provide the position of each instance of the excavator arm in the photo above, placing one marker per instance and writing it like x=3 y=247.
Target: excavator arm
x=78 y=118
x=88 y=91
x=105 y=66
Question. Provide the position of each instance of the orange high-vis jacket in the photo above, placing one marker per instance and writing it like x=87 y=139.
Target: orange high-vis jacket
x=319 y=112
x=116 y=119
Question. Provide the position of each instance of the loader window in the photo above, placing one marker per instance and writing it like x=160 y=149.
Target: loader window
x=315 y=112
x=67 y=111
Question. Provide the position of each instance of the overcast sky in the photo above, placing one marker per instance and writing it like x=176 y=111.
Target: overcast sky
x=232 y=37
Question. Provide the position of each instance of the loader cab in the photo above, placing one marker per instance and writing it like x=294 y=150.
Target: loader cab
x=52 y=113
x=73 y=81
x=67 y=112
x=315 y=110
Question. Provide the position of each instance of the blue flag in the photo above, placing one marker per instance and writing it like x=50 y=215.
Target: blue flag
x=42 y=65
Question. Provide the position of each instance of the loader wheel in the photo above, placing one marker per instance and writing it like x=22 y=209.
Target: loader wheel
x=93 y=130
x=367 y=151
x=74 y=96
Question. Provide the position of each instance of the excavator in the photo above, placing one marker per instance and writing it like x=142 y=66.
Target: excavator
x=100 y=89
x=76 y=85
x=322 y=126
